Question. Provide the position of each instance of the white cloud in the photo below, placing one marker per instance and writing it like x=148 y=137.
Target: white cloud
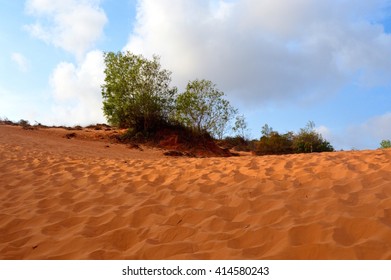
x=21 y=61
x=324 y=131
x=69 y=24
x=370 y=133
x=77 y=92
x=75 y=26
x=271 y=50
x=379 y=126
x=15 y=105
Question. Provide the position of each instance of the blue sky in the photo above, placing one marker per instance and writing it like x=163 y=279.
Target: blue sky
x=279 y=62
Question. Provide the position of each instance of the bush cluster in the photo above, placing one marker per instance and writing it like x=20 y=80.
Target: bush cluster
x=307 y=140
x=137 y=95
x=238 y=143
x=275 y=144
x=385 y=144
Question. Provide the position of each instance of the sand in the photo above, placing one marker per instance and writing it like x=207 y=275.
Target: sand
x=81 y=199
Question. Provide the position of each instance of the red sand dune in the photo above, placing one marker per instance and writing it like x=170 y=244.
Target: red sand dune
x=80 y=199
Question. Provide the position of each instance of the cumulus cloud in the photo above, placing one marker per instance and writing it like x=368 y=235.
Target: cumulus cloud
x=68 y=24
x=271 y=50
x=76 y=90
x=21 y=61
x=75 y=26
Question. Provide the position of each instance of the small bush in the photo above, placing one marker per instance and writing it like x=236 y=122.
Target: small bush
x=25 y=124
x=6 y=121
x=306 y=141
x=232 y=142
x=133 y=136
x=274 y=144
x=126 y=137
x=70 y=135
x=385 y=144
x=311 y=142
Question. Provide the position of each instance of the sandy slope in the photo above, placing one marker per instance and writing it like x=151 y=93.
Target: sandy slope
x=77 y=199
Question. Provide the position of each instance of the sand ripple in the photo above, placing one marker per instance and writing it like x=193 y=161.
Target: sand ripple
x=68 y=204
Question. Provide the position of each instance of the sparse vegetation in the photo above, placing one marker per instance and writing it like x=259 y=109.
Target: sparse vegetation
x=136 y=92
x=240 y=126
x=274 y=143
x=203 y=108
x=25 y=125
x=6 y=121
x=236 y=143
x=137 y=95
x=306 y=141
x=309 y=141
x=189 y=142
x=77 y=127
x=385 y=144
x=98 y=126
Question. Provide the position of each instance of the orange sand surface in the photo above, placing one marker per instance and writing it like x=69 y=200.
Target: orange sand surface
x=81 y=199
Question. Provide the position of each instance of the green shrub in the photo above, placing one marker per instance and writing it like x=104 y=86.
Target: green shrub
x=203 y=108
x=385 y=144
x=274 y=144
x=309 y=141
x=136 y=92
x=238 y=143
x=306 y=141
